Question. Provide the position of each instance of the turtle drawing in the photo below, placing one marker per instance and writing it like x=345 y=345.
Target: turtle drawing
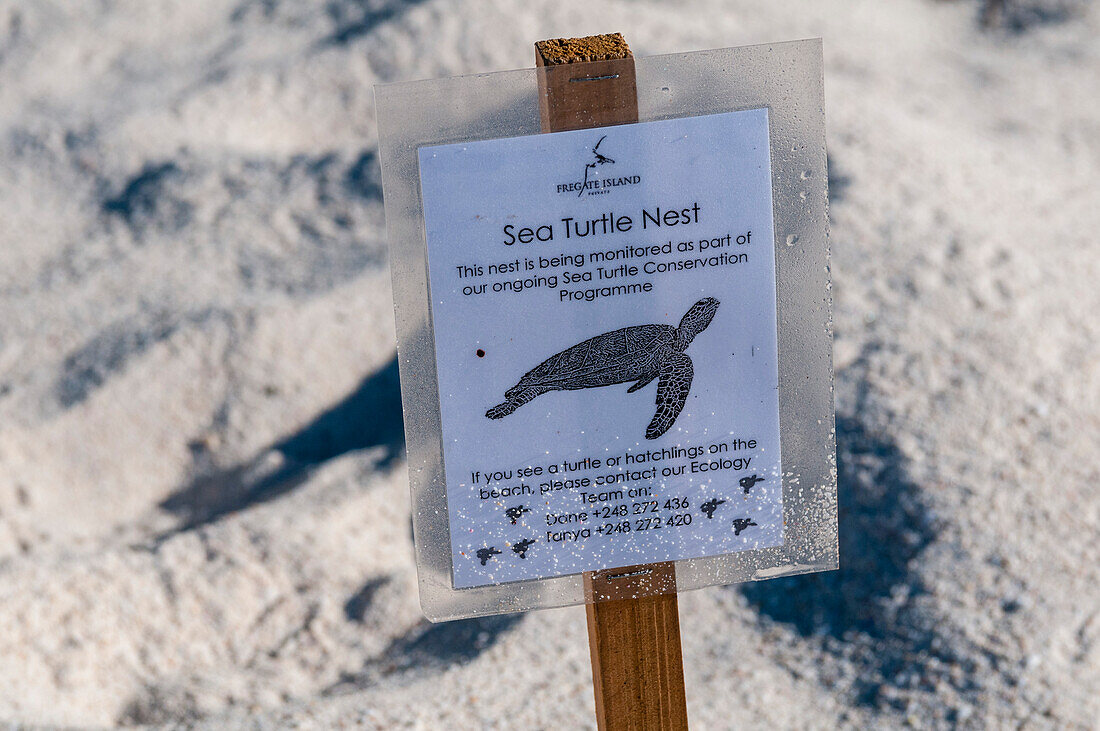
x=640 y=354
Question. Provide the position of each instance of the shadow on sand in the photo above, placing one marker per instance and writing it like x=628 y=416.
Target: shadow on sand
x=869 y=611
x=431 y=647
x=369 y=417
x=354 y=19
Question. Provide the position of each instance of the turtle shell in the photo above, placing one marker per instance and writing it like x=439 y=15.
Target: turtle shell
x=618 y=356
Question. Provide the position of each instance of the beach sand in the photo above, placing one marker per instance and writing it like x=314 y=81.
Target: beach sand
x=204 y=510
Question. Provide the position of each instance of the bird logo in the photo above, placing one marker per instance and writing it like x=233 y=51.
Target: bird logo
x=599 y=159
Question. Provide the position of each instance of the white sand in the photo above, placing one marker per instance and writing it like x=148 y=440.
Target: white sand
x=203 y=503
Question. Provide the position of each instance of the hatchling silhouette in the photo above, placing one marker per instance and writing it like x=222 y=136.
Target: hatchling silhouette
x=639 y=353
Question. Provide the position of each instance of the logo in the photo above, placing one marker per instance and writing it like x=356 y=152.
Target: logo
x=590 y=182
x=601 y=159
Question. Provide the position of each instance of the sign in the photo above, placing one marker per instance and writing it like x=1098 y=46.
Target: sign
x=614 y=341
x=604 y=313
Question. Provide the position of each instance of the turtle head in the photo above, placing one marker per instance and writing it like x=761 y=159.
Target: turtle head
x=695 y=321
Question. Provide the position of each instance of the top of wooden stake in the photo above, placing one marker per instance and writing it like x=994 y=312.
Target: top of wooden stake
x=578 y=50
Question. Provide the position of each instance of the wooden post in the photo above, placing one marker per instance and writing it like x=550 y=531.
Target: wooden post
x=633 y=618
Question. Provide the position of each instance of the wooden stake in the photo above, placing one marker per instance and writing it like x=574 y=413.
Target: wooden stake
x=633 y=618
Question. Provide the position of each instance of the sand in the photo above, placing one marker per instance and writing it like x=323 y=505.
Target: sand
x=203 y=495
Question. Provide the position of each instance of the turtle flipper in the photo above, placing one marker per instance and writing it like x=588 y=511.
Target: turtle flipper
x=672 y=393
x=642 y=383
x=517 y=397
x=501 y=410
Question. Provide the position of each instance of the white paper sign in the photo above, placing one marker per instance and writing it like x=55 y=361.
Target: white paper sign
x=605 y=324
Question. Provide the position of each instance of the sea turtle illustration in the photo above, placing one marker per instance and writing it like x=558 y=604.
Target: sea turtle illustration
x=740 y=524
x=710 y=506
x=484 y=554
x=522 y=546
x=640 y=353
x=749 y=482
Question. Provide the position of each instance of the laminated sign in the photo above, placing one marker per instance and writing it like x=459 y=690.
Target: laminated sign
x=614 y=341
x=604 y=311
